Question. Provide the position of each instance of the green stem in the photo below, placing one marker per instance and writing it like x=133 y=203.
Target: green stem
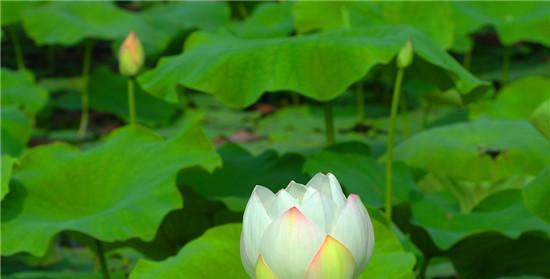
x=406 y=121
x=18 y=49
x=391 y=135
x=131 y=101
x=329 y=123
x=360 y=103
x=85 y=98
x=242 y=10
x=505 y=65
x=102 y=260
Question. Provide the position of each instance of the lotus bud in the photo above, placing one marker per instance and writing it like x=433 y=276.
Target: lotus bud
x=306 y=231
x=405 y=56
x=130 y=56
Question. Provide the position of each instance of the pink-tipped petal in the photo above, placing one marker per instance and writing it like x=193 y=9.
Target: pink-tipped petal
x=353 y=228
x=333 y=260
x=255 y=221
x=289 y=244
x=263 y=271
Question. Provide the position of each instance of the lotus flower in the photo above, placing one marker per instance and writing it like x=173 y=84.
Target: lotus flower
x=306 y=231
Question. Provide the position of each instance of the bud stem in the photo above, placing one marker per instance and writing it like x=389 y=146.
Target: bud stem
x=391 y=135
x=102 y=260
x=131 y=101
x=405 y=119
x=329 y=123
x=86 y=64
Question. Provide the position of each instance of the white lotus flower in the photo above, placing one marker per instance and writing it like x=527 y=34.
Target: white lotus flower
x=306 y=231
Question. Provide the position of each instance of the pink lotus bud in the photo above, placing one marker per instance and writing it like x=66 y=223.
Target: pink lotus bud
x=130 y=56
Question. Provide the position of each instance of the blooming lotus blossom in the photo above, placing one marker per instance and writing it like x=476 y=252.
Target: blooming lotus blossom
x=306 y=231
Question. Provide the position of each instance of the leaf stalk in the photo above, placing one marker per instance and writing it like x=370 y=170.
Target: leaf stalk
x=391 y=138
x=329 y=123
x=131 y=101
x=84 y=116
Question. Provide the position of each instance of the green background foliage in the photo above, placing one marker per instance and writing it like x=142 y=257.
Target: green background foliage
x=238 y=94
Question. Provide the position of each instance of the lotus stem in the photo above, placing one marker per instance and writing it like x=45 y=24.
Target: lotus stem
x=391 y=135
x=102 y=261
x=18 y=49
x=505 y=65
x=406 y=121
x=131 y=101
x=329 y=123
x=85 y=98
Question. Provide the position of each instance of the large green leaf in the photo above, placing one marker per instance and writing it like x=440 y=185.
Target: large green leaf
x=510 y=19
x=470 y=194
x=180 y=226
x=216 y=255
x=320 y=66
x=68 y=23
x=482 y=150
x=16 y=130
x=269 y=170
x=516 y=100
x=389 y=259
x=492 y=255
x=116 y=191
x=536 y=195
x=362 y=175
x=19 y=90
x=12 y=11
x=7 y=167
x=540 y=118
x=503 y=212
x=213 y=255
x=266 y=21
